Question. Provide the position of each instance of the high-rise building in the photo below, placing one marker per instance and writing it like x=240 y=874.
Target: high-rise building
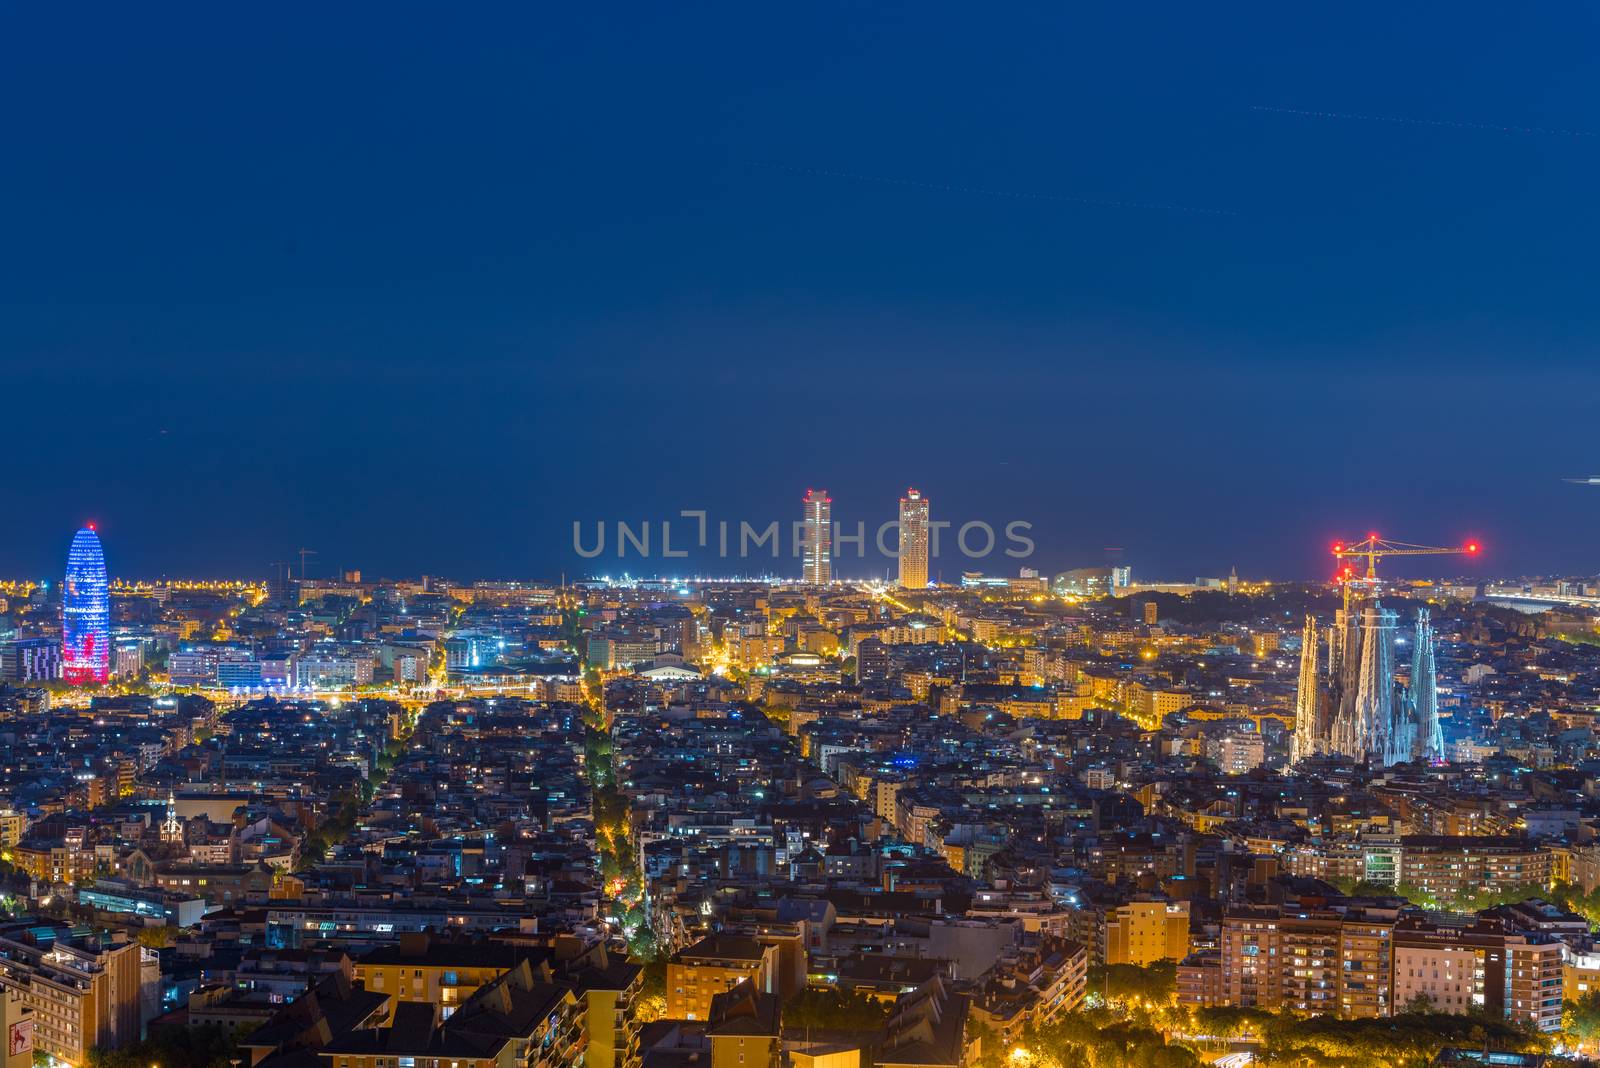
x=818 y=566
x=913 y=541
x=86 y=612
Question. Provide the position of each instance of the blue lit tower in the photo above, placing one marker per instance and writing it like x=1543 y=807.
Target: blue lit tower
x=1425 y=690
x=85 y=612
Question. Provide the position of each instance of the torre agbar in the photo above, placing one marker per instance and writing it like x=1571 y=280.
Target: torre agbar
x=85 y=612
x=1348 y=701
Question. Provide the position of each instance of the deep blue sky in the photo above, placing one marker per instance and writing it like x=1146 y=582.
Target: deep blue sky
x=418 y=285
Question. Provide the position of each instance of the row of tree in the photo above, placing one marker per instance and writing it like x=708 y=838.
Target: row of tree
x=621 y=879
x=1132 y=1018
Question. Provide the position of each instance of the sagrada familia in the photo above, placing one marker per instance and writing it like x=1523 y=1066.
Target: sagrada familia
x=1348 y=701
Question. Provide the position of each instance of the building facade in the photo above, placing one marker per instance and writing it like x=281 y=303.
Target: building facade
x=817 y=526
x=913 y=541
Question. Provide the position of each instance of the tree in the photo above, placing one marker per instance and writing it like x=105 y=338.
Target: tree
x=1362 y=887
x=1407 y=1038
x=1230 y=1021
x=1420 y=1003
x=652 y=1002
x=834 y=1010
x=1581 y=1019
x=201 y=1047
x=156 y=937
x=1155 y=984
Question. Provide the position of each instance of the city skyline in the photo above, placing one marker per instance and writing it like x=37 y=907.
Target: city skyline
x=426 y=640
x=740 y=549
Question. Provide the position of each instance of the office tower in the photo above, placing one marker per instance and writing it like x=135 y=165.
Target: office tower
x=86 y=612
x=818 y=566
x=913 y=541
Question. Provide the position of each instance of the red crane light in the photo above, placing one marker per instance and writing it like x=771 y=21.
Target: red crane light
x=1472 y=547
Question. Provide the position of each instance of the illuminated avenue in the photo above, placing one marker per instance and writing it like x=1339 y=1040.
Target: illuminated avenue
x=825 y=823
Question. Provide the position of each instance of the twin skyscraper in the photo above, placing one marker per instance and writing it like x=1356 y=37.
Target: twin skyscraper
x=817 y=545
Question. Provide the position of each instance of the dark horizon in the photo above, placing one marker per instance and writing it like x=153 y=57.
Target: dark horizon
x=758 y=564
x=421 y=291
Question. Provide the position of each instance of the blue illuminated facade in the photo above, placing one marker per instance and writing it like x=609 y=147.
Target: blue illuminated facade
x=86 y=612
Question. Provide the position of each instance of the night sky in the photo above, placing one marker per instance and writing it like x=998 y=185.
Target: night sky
x=419 y=285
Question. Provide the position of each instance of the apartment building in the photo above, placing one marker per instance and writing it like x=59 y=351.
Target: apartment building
x=712 y=965
x=83 y=993
x=1452 y=866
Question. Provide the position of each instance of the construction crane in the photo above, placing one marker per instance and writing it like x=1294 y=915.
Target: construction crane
x=303 y=554
x=1373 y=548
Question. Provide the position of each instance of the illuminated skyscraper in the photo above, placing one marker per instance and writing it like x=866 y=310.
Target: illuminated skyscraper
x=818 y=567
x=85 y=612
x=913 y=541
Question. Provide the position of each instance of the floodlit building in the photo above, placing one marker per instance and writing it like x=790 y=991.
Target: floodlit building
x=818 y=538
x=913 y=541
x=86 y=612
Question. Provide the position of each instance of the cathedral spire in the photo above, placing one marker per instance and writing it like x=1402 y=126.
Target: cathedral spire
x=1425 y=691
x=172 y=830
x=1308 y=695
